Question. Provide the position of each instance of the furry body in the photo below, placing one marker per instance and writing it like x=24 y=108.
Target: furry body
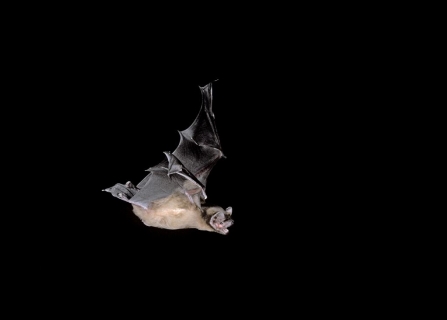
x=173 y=212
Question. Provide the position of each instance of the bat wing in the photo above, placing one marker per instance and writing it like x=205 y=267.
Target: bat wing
x=186 y=169
x=199 y=148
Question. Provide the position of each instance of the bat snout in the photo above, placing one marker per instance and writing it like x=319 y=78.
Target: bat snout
x=221 y=221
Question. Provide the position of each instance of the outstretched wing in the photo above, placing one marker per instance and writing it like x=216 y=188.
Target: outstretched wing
x=186 y=169
x=199 y=148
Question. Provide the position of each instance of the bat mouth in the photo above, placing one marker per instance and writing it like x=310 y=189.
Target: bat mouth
x=221 y=222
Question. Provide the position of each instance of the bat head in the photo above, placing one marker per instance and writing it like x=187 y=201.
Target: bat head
x=219 y=219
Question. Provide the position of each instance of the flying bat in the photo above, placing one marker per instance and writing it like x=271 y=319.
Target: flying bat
x=172 y=195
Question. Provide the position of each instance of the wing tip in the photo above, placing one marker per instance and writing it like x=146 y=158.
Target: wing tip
x=208 y=84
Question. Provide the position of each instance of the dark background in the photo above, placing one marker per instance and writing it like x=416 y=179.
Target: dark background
x=297 y=105
x=107 y=111
x=116 y=114
x=278 y=175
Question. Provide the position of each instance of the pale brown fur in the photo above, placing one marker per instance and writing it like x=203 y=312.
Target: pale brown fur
x=173 y=212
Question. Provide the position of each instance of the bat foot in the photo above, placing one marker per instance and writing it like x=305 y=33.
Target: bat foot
x=122 y=196
x=130 y=185
x=221 y=221
x=123 y=192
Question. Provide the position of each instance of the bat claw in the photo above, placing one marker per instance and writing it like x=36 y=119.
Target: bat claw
x=130 y=185
x=123 y=192
x=121 y=195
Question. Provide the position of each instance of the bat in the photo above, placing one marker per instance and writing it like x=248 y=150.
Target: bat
x=172 y=196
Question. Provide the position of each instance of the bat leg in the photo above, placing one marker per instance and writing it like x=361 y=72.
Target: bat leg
x=221 y=221
x=130 y=185
x=123 y=192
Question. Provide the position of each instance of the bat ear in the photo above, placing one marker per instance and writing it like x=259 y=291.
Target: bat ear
x=229 y=210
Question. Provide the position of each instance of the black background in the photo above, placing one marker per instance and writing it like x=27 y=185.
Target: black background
x=278 y=175
x=108 y=109
x=304 y=114
x=92 y=99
